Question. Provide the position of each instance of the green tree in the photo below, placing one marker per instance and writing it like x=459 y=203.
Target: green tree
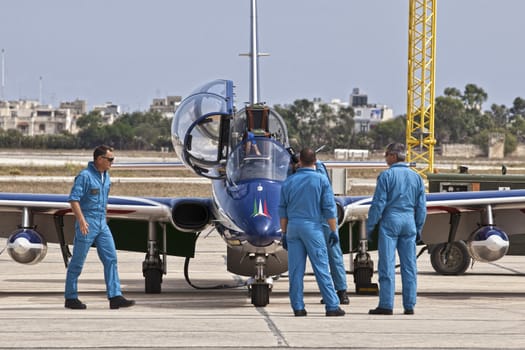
x=393 y=130
x=138 y=130
x=473 y=97
x=486 y=121
x=91 y=119
x=500 y=115
x=449 y=120
x=517 y=109
x=453 y=92
x=482 y=140
x=315 y=124
x=344 y=128
x=511 y=143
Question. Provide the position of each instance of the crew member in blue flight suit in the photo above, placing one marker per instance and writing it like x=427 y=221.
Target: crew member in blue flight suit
x=88 y=200
x=251 y=145
x=306 y=200
x=335 y=254
x=399 y=210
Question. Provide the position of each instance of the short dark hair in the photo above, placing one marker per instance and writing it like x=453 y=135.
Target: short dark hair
x=101 y=150
x=398 y=149
x=307 y=157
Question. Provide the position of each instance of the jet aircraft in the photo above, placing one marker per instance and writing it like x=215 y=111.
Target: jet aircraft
x=216 y=141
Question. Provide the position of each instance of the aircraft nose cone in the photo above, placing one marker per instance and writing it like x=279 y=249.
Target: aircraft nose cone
x=261 y=232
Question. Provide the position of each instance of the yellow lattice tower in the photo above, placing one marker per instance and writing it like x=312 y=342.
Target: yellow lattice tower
x=421 y=71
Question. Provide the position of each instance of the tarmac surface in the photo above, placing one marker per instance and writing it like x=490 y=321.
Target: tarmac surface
x=483 y=309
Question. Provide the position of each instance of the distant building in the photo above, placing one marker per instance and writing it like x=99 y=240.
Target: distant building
x=358 y=99
x=165 y=106
x=77 y=107
x=367 y=115
x=31 y=118
x=337 y=104
x=108 y=111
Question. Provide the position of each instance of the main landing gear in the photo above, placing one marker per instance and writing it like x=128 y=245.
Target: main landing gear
x=153 y=266
x=363 y=266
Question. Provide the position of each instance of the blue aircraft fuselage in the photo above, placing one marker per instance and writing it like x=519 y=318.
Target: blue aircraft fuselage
x=252 y=206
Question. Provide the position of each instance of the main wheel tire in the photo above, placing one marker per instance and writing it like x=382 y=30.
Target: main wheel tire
x=153 y=281
x=260 y=294
x=362 y=276
x=458 y=258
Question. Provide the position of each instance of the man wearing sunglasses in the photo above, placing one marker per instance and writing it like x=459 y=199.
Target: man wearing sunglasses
x=88 y=200
x=399 y=209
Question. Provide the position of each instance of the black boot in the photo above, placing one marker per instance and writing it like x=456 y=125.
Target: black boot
x=343 y=297
x=120 y=301
x=336 y=312
x=380 y=311
x=74 y=304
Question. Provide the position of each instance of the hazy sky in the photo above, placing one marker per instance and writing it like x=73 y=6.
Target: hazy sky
x=130 y=51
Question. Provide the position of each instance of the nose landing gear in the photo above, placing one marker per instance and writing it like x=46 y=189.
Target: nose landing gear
x=261 y=286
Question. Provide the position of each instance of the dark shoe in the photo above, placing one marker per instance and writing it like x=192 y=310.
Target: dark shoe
x=336 y=312
x=409 y=312
x=343 y=297
x=74 y=304
x=120 y=301
x=380 y=311
x=299 y=313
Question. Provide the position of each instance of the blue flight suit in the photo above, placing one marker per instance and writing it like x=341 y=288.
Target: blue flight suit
x=399 y=207
x=335 y=254
x=306 y=200
x=91 y=190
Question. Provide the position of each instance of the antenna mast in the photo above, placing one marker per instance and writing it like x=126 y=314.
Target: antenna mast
x=254 y=55
x=40 y=91
x=2 y=91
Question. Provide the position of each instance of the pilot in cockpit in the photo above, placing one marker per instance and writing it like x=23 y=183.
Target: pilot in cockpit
x=251 y=148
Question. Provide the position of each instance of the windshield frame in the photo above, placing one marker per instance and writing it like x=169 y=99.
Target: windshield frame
x=273 y=163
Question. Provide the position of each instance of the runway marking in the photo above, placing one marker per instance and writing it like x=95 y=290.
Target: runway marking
x=281 y=341
x=507 y=268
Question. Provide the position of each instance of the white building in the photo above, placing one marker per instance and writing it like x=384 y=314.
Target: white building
x=108 y=111
x=31 y=118
x=166 y=106
x=367 y=115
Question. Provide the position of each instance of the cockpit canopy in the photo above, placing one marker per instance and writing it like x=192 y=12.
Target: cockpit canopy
x=207 y=133
x=200 y=128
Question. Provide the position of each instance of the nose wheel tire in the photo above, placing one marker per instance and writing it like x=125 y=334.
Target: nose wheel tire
x=260 y=294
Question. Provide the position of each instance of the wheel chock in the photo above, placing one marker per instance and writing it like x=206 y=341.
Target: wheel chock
x=367 y=289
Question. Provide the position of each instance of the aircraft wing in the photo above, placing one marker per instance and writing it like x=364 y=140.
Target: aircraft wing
x=455 y=216
x=150 y=165
x=128 y=217
x=354 y=164
x=460 y=227
x=445 y=202
x=118 y=206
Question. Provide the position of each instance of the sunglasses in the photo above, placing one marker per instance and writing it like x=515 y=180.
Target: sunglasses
x=110 y=159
